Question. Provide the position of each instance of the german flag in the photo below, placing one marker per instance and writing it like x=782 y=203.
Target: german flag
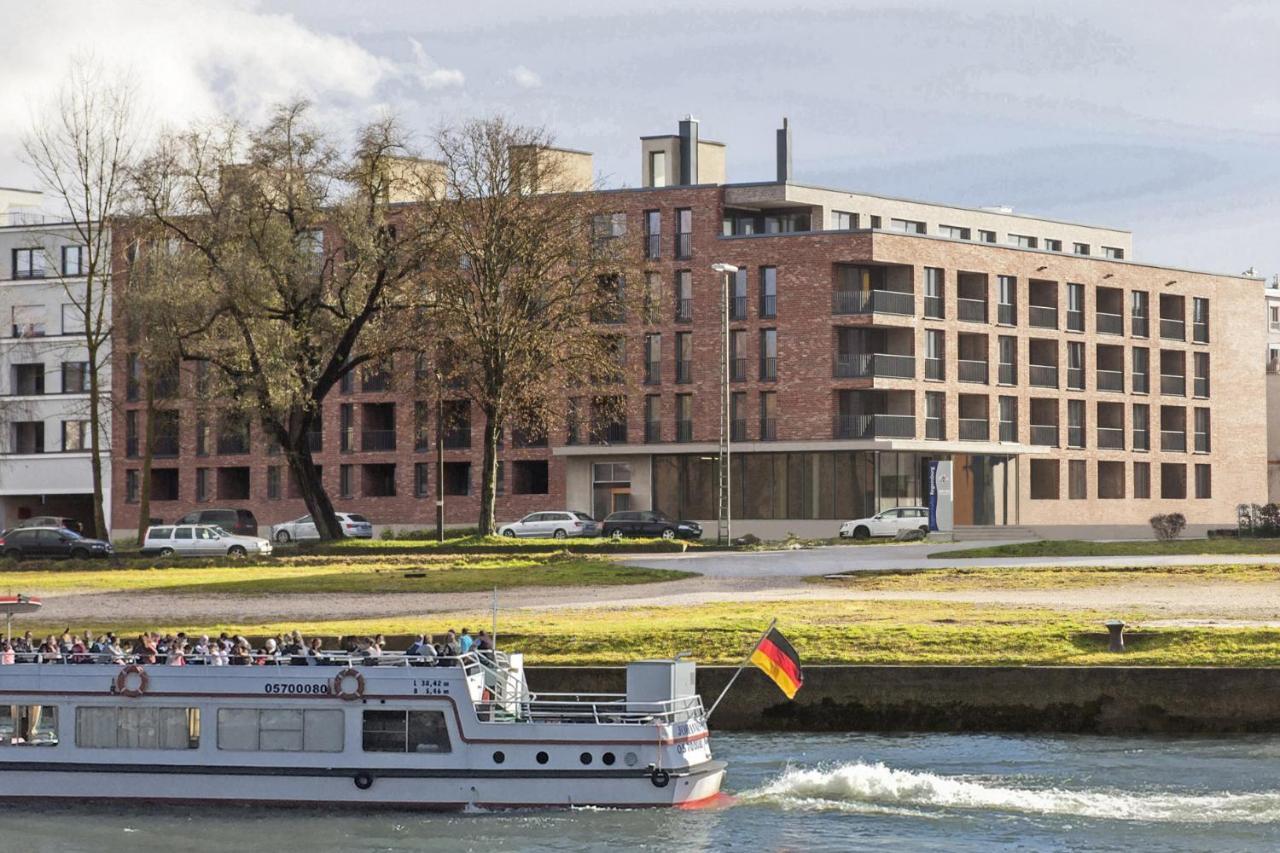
x=779 y=661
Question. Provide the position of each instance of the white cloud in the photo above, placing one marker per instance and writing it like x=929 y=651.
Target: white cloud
x=525 y=78
x=429 y=75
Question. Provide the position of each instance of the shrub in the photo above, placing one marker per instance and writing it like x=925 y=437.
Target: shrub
x=1168 y=527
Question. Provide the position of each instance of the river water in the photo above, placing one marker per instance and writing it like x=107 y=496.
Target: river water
x=793 y=792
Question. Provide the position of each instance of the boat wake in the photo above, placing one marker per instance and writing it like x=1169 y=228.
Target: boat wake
x=867 y=788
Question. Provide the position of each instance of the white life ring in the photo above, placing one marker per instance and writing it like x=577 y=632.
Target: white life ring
x=348 y=684
x=132 y=681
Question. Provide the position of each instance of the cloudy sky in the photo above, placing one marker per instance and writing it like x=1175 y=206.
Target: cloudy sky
x=1161 y=116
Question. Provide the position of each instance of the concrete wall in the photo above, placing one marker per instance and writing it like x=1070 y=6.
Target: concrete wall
x=1105 y=700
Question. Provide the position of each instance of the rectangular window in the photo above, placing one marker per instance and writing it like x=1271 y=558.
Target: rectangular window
x=1142 y=480
x=75 y=260
x=280 y=730
x=934 y=294
x=405 y=731
x=768 y=292
x=1113 y=253
x=28 y=725
x=137 y=728
x=273 y=482
x=954 y=232
x=1204 y=485
x=908 y=226
x=1077 y=487
x=1080 y=248
x=1023 y=241
x=768 y=355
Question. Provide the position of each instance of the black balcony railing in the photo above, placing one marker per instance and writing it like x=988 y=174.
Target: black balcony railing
x=873 y=302
x=378 y=439
x=861 y=365
x=970 y=370
x=875 y=426
x=1111 y=438
x=1174 y=330
x=1110 y=324
x=1110 y=380
x=1173 y=384
x=1044 y=375
x=684 y=430
x=684 y=371
x=684 y=246
x=1043 y=316
x=972 y=310
x=1044 y=435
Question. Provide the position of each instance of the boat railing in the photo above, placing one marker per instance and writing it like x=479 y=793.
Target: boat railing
x=600 y=708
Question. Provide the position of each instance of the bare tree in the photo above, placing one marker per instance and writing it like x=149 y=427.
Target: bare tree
x=304 y=267
x=531 y=276
x=82 y=147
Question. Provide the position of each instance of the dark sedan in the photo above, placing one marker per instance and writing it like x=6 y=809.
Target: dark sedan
x=26 y=543
x=650 y=523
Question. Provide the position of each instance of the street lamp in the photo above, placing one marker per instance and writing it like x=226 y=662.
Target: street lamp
x=724 y=527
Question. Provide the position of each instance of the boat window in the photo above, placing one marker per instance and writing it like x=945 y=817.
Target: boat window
x=28 y=725
x=279 y=730
x=405 y=731
x=138 y=728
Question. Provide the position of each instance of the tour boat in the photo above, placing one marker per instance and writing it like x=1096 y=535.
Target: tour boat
x=388 y=732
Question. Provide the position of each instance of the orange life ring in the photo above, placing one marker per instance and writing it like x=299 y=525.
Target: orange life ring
x=348 y=684
x=127 y=685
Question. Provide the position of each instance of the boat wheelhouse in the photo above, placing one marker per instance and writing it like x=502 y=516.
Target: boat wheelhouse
x=393 y=731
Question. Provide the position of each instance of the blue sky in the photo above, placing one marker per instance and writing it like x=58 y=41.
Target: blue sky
x=1161 y=117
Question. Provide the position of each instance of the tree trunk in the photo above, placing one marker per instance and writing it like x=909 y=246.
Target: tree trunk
x=489 y=472
x=148 y=442
x=100 y=529
x=295 y=441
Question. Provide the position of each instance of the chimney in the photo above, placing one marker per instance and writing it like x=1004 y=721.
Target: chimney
x=688 y=151
x=784 y=152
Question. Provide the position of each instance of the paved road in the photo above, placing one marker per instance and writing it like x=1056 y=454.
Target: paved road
x=851 y=558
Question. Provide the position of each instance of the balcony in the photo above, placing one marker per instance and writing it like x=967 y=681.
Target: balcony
x=972 y=310
x=875 y=426
x=1111 y=438
x=1044 y=375
x=1110 y=324
x=968 y=370
x=1044 y=435
x=378 y=439
x=684 y=246
x=1173 y=330
x=886 y=365
x=1042 y=316
x=1174 y=441
x=975 y=429
x=1110 y=380
x=1174 y=385
x=684 y=430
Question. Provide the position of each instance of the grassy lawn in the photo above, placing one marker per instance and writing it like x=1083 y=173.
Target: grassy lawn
x=1142 y=548
x=321 y=574
x=1049 y=577
x=879 y=632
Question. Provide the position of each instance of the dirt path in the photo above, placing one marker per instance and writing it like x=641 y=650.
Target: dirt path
x=1173 y=602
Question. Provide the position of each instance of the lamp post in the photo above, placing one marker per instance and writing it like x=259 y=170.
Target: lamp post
x=724 y=531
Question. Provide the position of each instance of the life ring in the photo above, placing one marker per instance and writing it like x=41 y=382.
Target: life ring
x=129 y=685
x=660 y=778
x=348 y=684
x=363 y=780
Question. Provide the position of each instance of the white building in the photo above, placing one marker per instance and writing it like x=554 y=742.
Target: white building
x=45 y=444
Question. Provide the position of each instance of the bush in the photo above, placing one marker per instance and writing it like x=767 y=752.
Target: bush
x=1168 y=527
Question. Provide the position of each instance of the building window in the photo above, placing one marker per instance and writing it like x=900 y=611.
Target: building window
x=843 y=221
x=1080 y=248
x=344 y=481
x=138 y=728
x=530 y=477
x=1077 y=488
x=768 y=416
x=457 y=479
x=1023 y=241
x=768 y=355
x=934 y=294
x=986 y=236
x=1044 y=479
x=954 y=232
x=273 y=482
x=768 y=292
x=280 y=729
x=1204 y=485
x=1113 y=253
x=1142 y=480
x=1173 y=481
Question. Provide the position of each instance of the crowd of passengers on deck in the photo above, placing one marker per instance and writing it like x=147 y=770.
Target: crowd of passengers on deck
x=290 y=648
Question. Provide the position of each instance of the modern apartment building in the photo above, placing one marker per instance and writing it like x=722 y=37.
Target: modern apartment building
x=1067 y=382
x=44 y=381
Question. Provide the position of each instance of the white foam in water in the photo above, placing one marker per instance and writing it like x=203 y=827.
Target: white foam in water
x=875 y=787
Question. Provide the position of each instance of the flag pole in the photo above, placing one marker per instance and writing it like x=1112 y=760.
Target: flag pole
x=746 y=660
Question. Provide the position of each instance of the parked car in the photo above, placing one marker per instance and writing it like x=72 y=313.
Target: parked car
x=553 y=525
x=304 y=529
x=238 y=521
x=887 y=523
x=52 y=521
x=649 y=523
x=24 y=542
x=201 y=540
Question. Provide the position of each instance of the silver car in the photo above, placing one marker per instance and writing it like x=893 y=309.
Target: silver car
x=553 y=525
x=303 y=529
x=201 y=540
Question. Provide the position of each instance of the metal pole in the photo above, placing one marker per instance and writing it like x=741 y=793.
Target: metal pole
x=741 y=666
x=724 y=525
x=439 y=459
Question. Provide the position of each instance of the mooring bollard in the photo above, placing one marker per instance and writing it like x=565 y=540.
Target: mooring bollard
x=1116 y=627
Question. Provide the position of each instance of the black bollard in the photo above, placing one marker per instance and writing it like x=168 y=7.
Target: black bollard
x=1116 y=627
